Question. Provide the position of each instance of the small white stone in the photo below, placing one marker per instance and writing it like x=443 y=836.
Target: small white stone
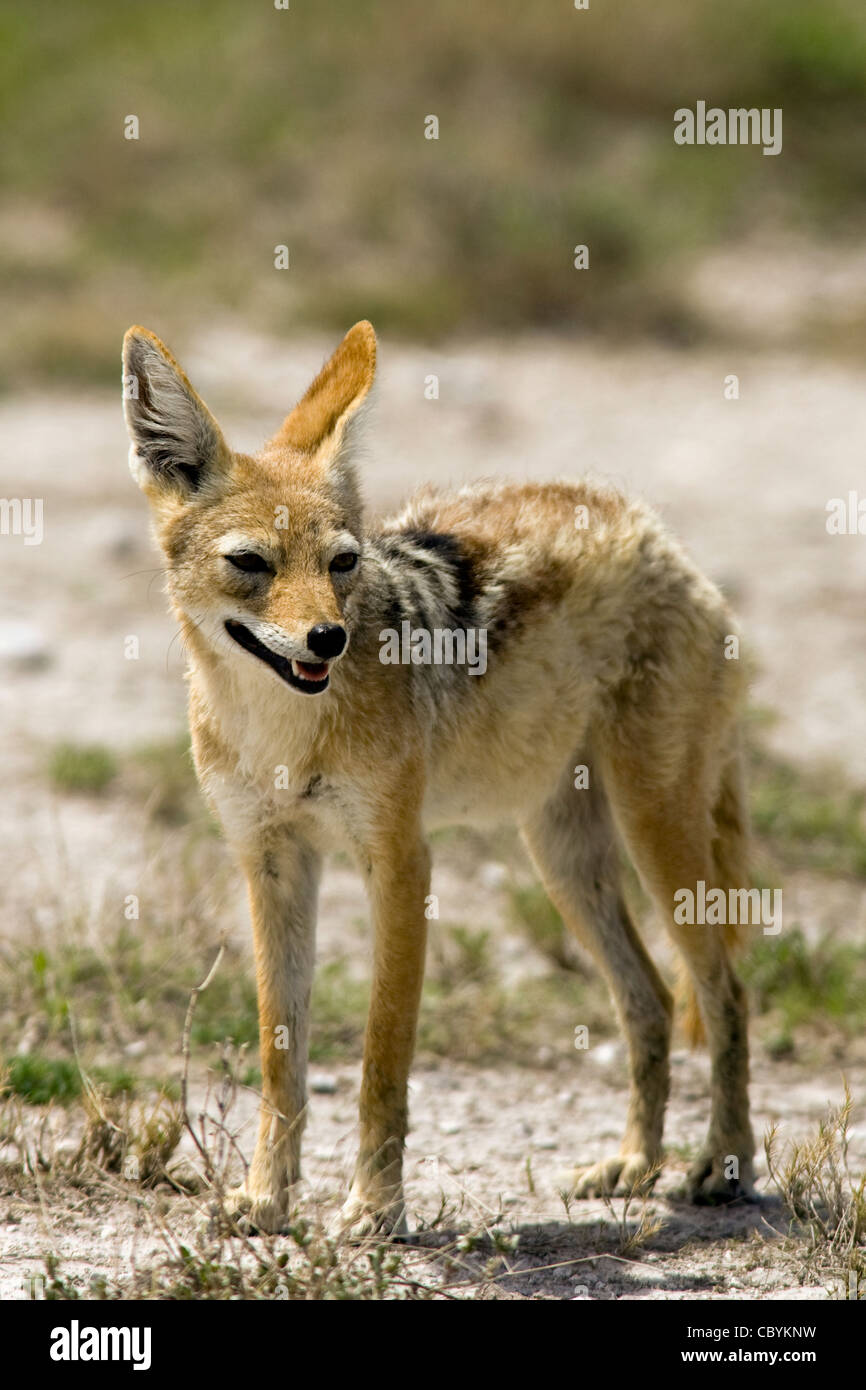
x=22 y=644
x=492 y=875
x=323 y=1084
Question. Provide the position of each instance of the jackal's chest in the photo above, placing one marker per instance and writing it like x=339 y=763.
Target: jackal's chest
x=253 y=809
x=263 y=771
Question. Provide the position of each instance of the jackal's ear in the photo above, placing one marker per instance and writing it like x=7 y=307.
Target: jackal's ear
x=177 y=445
x=338 y=391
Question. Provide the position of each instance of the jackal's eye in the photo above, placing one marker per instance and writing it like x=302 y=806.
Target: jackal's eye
x=345 y=561
x=249 y=562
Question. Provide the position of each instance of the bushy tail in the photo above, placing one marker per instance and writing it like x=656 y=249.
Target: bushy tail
x=731 y=858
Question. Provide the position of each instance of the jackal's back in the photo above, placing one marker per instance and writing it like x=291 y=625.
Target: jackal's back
x=584 y=601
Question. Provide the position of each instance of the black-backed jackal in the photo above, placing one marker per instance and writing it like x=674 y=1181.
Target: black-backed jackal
x=602 y=647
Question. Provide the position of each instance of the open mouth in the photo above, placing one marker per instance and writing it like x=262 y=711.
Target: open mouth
x=310 y=677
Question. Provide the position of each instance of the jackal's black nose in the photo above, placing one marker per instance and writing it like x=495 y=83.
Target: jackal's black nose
x=326 y=640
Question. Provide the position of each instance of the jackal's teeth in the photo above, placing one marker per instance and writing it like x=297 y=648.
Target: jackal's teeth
x=310 y=670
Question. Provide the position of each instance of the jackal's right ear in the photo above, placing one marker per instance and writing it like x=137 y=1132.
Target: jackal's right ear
x=177 y=445
x=320 y=419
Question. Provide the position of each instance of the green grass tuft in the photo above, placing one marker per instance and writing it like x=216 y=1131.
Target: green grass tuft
x=800 y=983
x=80 y=767
x=39 y=1080
x=810 y=820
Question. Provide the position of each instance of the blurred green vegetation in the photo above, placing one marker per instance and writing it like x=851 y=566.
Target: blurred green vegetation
x=822 y=985
x=82 y=767
x=811 y=820
x=305 y=127
x=39 y=1080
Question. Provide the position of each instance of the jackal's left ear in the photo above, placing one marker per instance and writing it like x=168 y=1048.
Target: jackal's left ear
x=177 y=445
x=319 y=421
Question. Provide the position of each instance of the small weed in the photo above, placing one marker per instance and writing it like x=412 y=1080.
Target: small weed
x=38 y=1080
x=808 y=820
x=633 y=1234
x=800 y=984
x=135 y=1140
x=79 y=767
x=821 y=1193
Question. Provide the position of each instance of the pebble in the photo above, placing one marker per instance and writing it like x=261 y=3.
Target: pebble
x=23 y=645
x=323 y=1084
x=492 y=875
x=29 y=1039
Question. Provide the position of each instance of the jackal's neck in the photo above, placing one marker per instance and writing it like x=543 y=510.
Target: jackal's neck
x=424 y=578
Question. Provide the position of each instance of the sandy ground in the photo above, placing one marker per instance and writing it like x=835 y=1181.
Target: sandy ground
x=744 y=482
x=487 y=1151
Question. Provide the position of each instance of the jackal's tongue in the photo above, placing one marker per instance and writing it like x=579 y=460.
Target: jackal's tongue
x=318 y=672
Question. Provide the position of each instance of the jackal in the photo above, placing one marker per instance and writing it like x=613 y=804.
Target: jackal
x=605 y=648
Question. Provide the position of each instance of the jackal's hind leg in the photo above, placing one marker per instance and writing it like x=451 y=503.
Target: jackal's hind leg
x=670 y=838
x=573 y=845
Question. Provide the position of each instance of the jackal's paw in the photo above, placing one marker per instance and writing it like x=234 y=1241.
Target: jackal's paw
x=253 y=1213
x=718 y=1178
x=363 y=1216
x=613 y=1177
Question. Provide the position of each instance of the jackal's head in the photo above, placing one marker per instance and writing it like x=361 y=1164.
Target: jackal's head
x=264 y=552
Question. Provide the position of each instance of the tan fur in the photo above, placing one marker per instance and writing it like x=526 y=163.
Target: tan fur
x=605 y=649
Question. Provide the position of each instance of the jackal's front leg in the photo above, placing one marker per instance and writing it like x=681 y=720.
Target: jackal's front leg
x=398 y=884
x=282 y=878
